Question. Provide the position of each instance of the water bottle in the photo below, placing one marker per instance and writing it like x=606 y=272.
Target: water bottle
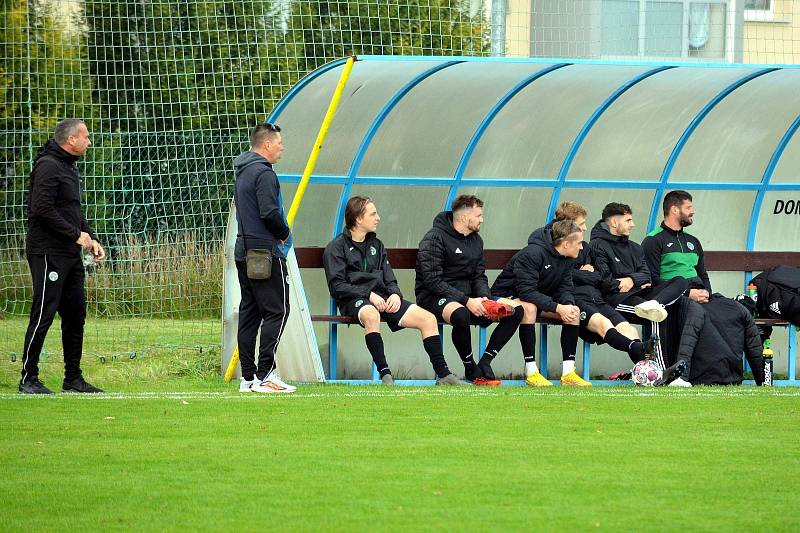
x=752 y=292
x=767 y=354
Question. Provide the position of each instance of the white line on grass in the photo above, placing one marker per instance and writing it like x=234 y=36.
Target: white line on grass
x=362 y=391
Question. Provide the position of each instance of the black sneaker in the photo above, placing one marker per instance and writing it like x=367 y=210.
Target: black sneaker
x=80 y=385
x=472 y=373
x=33 y=386
x=485 y=369
x=672 y=373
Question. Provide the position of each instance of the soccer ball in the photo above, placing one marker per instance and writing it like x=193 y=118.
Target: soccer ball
x=645 y=373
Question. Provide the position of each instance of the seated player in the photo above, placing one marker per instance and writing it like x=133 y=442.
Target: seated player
x=361 y=281
x=539 y=278
x=451 y=283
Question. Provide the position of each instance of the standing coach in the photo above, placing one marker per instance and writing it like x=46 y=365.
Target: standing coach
x=59 y=242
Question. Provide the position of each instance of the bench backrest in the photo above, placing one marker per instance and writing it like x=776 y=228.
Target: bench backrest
x=405 y=259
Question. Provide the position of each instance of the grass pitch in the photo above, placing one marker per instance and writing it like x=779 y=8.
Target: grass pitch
x=345 y=458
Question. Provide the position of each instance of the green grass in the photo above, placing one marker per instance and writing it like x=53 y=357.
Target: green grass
x=341 y=458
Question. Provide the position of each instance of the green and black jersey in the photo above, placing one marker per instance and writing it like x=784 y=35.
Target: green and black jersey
x=675 y=254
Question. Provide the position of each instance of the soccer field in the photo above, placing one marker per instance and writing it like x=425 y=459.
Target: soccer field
x=333 y=457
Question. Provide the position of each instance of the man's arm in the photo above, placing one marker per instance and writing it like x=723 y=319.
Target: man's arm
x=652 y=256
x=480 y=283
x=335 y=265
x=701 y=268
x=642 y=274
x=526 y=275
x=430 y=261
x=43 y=193
x=269 y=210
x=389 y=279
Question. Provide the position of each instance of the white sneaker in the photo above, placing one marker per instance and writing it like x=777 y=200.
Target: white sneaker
x=273 y=383
x=246 y=386
x=679 y=382
x=651 y=310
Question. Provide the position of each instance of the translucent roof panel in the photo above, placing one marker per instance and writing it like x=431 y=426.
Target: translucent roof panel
x=406 y=213
x=778 y=227
x=370 y=87
x=788 y=168
x=737 y=138
x=633 y=139
x=531 y=135
x=594 y=200
x=510 y=214
x=427 y=132
x=319 y=204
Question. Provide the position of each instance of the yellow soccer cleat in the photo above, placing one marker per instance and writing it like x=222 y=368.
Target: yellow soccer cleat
x=574 y=380
x=537 y=380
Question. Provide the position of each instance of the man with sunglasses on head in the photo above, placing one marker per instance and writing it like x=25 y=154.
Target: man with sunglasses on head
x=261 y=225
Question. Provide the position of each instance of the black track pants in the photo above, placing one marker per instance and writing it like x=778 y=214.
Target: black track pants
x=58 y=283
x=264 y=306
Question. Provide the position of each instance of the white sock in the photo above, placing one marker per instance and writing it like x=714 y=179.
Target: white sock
x=531 y=369
x=567 y=366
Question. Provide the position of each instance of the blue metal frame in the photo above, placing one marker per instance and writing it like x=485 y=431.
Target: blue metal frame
x=684 y=138
x=556 y=182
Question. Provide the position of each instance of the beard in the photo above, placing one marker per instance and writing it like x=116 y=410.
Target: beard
x=685 y=221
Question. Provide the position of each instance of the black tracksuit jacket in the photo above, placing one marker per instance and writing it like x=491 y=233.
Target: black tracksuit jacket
x=450 y=265
x=55 y=220
x=538 y=274
x=616 y=256
x=259 y=213
x=352 y=275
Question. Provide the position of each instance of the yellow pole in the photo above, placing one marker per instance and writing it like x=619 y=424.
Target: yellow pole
x=312 y=162
x=323 y=131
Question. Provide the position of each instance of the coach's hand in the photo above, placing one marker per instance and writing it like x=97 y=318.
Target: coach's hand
x=393 y=304
x=98 y=251
x=699 y=295
x=475 y=306
x=625 y=284
x=378 y=302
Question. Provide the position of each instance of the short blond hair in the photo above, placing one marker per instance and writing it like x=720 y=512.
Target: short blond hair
x=570 y=211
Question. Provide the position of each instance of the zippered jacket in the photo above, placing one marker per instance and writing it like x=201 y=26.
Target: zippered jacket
x=672 y=254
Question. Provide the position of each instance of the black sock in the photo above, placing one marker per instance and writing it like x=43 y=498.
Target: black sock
x=462 y=338
x=504 y=331
x=527 y=339
x=375 y=346
x=433 y=346
x=569 y=341
x=618 y=341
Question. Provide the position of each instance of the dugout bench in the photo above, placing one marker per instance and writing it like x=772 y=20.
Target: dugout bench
x=405 y=259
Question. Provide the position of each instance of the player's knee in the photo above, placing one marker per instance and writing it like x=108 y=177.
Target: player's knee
x=530 y=311
x=460 y=318
x=370 y=317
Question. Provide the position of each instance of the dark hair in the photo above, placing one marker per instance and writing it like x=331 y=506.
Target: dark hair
x=570 y=211
x=675 y=198
x=562 y=229
x=613 y=209
x=354 y=209
x=465 y=201
x=65 y=128
x=261 y=132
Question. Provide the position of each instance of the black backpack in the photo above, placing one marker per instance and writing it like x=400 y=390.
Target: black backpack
x=779 y=293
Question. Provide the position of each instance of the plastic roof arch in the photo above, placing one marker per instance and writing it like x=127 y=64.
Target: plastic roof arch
x=446 y=124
